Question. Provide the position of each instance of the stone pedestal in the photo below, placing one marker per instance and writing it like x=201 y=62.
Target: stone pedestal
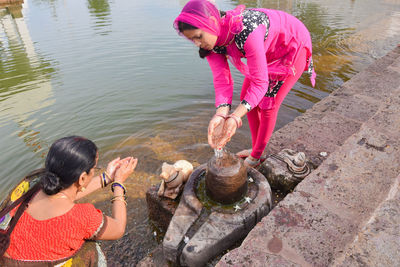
x=161 y=209
x=196 y=234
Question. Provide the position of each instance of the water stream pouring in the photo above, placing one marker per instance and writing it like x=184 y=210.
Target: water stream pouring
x=218 y=152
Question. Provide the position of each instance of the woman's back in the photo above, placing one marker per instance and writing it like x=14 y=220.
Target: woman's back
x=54 y=230
x=286 y=36
x=41 y=236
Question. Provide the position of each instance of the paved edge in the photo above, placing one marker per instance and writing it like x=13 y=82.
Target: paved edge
x=346 y=212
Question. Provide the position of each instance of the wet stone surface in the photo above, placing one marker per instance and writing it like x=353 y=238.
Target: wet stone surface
x=161 y=209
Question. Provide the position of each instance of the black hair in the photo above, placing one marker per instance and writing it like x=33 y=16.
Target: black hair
x=182 y=26
x=67 y=159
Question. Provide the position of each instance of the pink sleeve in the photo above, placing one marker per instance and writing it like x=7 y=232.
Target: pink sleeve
x=258 y=69
x=223 y=83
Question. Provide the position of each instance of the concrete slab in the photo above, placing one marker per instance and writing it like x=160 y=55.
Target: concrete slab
x=357 y=107
x=314 y=135
x=327 y=135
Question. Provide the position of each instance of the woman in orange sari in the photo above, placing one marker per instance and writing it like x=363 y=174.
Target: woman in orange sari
x=53 y=229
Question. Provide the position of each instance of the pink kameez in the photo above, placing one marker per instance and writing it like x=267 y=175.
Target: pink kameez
x=277 y=51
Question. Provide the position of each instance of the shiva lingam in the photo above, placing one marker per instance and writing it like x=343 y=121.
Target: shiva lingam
x=221 y=202
x=285 y=169
x=226 y=179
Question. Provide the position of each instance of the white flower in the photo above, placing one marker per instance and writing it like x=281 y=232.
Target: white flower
x=323 y=154
x=237 y=207
x=251 y=180
x=155 y=233
x=186 y=239
x=247 y=199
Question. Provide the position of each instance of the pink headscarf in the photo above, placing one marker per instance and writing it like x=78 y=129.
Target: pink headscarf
x=204 y=15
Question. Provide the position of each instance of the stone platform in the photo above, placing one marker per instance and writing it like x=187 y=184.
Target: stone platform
x=347 y=211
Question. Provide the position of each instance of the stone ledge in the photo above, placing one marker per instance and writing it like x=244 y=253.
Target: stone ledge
x=379 y=241
x=325 y=220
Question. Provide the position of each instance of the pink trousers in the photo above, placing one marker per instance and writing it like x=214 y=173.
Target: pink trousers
x=262 y=121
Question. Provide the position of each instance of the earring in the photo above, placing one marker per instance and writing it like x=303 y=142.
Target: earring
x=82 y=189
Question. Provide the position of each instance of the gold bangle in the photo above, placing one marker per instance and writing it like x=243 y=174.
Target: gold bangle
x=108 y=176
x=120 y=199
x=103 y=180
x=123 y=197
x=113 y=184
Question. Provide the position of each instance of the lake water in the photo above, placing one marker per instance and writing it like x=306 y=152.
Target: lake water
x=117 y=73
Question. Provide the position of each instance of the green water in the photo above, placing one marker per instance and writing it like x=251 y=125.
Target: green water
x=117 y=73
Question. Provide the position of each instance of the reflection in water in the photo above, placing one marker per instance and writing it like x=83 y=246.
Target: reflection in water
x=15 y=9
x=25 y=85
x=101 y=11
x=333 y=61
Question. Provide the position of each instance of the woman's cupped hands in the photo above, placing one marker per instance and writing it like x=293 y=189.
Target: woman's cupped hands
x=120 y=169
x=220 y=131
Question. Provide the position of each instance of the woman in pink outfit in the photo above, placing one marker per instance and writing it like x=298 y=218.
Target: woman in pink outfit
x=277 y=47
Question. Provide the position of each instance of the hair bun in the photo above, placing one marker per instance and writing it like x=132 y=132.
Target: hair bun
x=51 y=183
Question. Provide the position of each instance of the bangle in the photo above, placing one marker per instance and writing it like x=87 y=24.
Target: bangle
x=224 y=105
x=103 y=180
x=246 y=105
x=113 y=184
x=115 y=197
x=120 y=198
x=237 y=119
x=220 y=115
x=108 y=176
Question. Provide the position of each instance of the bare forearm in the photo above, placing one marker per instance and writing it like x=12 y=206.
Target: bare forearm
x=119 y=207
x=116 y=224
x=240 y=111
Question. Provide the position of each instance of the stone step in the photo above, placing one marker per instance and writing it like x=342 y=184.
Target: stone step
x=318 y=224
x=378 y=242
x=313 y=225
x=331 y=121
